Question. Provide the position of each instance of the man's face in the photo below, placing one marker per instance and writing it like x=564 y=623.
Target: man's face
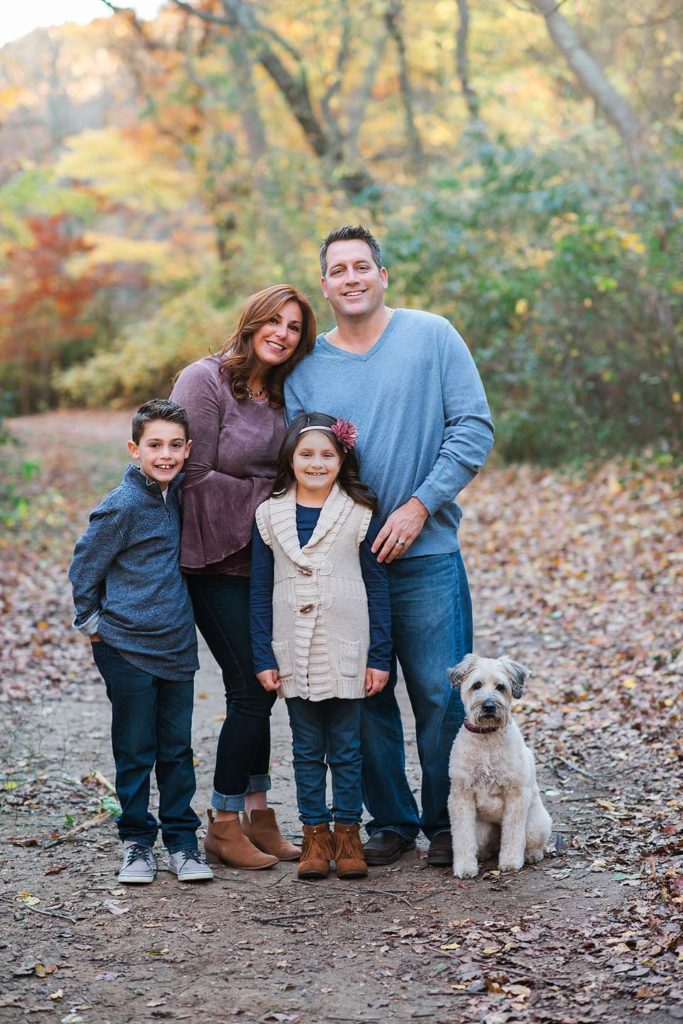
x=354 y=285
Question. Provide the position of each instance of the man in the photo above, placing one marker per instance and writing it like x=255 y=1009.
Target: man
x=407 y=381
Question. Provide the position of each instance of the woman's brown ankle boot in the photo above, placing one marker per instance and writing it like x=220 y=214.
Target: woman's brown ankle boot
x=348 y=851
x=262 y=829
x=225 y=841
x=317 y=852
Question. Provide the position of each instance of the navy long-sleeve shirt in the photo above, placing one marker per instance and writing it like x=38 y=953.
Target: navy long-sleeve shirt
x=127 y=582
x=261 y=600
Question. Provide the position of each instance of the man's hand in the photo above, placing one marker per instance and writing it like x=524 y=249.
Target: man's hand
x=269 y=679
x=95 y=638
x=400 y=530
x=375 y=680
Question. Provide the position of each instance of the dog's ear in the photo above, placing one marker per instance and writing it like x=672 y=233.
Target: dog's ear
x=517 y=674
x=457 y=674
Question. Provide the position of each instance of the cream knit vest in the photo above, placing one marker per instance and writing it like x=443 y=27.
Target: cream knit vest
x=321 y=630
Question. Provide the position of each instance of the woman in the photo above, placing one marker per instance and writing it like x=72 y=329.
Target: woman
x=234 y=400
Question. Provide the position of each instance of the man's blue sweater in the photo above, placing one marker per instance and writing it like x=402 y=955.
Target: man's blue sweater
x=424 y=426
x=127 y=582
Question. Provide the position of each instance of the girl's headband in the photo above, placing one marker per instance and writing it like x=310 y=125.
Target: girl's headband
x=343 y=430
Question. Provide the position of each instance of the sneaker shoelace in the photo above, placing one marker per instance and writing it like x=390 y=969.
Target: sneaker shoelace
x=193 y=855
x=139 y=852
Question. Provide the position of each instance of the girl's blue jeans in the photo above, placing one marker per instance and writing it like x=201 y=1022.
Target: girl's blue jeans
x=327 y=733
x=151 y=728
x=431 y=621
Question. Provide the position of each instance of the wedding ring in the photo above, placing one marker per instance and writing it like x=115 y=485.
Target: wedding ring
x=400 y=543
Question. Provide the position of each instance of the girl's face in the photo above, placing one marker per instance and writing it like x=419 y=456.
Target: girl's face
x=316 y=464
x=275 y=341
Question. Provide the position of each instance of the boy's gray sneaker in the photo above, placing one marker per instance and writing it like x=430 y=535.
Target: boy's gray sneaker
x=139 y=864
x=190 y=866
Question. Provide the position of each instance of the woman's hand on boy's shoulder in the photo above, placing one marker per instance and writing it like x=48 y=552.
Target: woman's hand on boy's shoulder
x=375 y=680
x=269 y=679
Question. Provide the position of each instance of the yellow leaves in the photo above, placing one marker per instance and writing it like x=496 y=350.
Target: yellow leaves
x=27 y=898
x=521 y=307
x=629 y=683
x=632 y=242
x=125 y=170
x=115 y=249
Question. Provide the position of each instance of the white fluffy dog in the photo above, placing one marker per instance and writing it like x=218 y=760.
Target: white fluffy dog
x=494 y=803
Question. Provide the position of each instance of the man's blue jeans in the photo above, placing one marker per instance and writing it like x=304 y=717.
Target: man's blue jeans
x=326 y=732
x=431 y=614
x=151 y=726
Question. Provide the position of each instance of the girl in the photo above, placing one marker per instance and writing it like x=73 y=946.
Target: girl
x=320 y=626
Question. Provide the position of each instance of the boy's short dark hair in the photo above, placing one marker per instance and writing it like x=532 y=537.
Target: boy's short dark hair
x=159 y=409
x=347 y=233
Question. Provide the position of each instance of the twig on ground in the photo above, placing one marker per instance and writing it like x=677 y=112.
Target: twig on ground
x=288 y=917
x=98 y=819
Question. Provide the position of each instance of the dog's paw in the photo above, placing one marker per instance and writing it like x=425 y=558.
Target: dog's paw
x=534 y=856
x=465 y=868
x=511 y=864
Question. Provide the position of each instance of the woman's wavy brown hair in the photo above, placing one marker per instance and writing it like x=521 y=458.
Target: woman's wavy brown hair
x=238 y=350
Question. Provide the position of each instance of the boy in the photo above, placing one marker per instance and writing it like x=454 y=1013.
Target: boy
x=132 y=601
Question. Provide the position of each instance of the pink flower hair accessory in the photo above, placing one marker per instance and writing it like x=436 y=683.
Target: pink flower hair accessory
x=346 y=434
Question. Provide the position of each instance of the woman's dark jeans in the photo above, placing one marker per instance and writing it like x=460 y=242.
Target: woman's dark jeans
x=151 y=728
x=221 y=608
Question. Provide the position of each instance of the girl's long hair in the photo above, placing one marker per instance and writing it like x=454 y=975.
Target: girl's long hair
x=238 y=350
x=349 y=475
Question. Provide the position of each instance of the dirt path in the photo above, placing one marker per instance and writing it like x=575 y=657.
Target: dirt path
x=588 y=935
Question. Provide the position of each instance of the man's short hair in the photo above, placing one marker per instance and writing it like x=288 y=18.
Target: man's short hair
x=159 y=409
x=347 y=233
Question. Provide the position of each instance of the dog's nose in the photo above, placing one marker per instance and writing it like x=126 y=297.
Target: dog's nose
x=488 y=705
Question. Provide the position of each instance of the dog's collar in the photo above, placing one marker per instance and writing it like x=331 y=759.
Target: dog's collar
x=481 y=729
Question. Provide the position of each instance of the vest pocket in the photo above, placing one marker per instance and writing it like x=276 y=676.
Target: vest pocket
x=283 y=658
x=349 y=657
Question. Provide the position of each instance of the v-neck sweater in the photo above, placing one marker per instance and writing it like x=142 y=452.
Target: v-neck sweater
x=416 y=398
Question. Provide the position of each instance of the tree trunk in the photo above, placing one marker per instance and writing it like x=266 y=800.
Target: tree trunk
x=392 y=18
x=462 y=66
x=614 y=106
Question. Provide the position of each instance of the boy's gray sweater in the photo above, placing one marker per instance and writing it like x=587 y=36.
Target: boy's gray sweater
x=126 y=578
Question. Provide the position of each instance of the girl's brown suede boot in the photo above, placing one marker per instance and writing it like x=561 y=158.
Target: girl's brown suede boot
x=348 y=851
x=317 y=852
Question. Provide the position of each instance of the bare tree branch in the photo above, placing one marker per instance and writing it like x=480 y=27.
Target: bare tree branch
x=614 y=106
x=392 y=18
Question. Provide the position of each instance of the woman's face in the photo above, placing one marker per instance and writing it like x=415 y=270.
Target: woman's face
x=276 y=341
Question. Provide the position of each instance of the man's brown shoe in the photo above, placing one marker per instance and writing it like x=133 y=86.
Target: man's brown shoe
x=348 y=852
x=261 y=828
x=440 y=853
x=317 y=852
x=225 y=841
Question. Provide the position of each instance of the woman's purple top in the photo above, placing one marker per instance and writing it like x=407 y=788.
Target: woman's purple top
x=230 y=470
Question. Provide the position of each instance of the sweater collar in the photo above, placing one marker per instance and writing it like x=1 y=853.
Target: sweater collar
x=283 y=521
x=135 y=476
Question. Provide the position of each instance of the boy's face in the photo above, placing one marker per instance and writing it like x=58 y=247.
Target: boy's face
x=162 y=451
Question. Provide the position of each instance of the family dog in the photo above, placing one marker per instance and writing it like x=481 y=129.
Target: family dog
x=494 y=803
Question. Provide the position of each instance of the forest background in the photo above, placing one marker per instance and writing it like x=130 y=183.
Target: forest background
x=520 y=162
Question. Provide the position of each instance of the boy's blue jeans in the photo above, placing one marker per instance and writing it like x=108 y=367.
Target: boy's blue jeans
x=151 y=727
x=327 y=732
x=431 y=618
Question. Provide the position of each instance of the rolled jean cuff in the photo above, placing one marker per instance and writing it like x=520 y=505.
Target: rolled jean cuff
x=182 y=847
x=259 y=784
x=227 y=802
